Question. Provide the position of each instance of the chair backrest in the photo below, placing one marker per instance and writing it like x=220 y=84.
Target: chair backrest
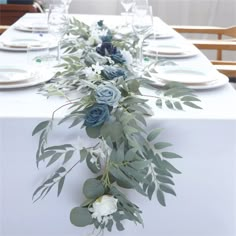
x=219 y=44
x=10 y=13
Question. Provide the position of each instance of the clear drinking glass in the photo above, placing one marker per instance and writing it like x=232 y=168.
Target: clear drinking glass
x=139 y=3
x=57 y=24
x=142 y=24
x=127 y=5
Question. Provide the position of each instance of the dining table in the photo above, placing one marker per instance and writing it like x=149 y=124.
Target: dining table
x=205 y=204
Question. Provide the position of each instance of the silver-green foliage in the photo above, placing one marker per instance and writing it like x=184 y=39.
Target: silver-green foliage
x=126 y=155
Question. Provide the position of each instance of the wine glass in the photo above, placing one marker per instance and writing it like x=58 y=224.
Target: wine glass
x=142 y=24
x=57 y=24
x=66 y=4
x=127 y=5
x=139 y=3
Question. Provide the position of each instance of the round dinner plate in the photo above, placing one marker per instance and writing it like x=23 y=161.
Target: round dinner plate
x=214 y=80
x=30 y=79
x=22 y=44
x=168 y=51
x=9 y=75
x=25 y=27
x=186 y=75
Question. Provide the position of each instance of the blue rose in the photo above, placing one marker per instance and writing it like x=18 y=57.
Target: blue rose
x=106 y=49
x=106 y=38
x=107 y=94
x=112 y=72
x=118 y=57
x=96 y=115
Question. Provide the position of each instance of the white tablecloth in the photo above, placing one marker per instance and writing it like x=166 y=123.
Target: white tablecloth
x=206 y=200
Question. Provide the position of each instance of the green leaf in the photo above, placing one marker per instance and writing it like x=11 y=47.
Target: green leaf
x=93 y=132
x=191 y=104
x=169 y=104
x=83 y=154
x=68 y=156
x=161 y=197
x=45 y=155
x=119 y=226
x=165 y=180
x=154 y=133
x=170 y=167
x=159 y=102
x=178 y=105
x=60 y=185
x=161 y=145
x=150 y=190
x=40 y=127
x=93 y=188
x=139 y=165
x=80 y=217
x=167 y=189
x=54 y=158
x=95 y=166
x=130 y=154
x=170 y=155
x=190 y=99
x=109 y=225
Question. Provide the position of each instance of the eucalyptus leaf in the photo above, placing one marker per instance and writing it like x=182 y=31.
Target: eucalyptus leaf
x=40 y=127
x=166 y=188
x=170 y=155
x=80 y=217
x=161 y=197
x=154 y=133
x=93 y=188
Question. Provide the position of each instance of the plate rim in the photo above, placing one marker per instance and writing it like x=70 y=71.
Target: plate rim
x=16 y=80
x=29 y=83
x=219 y=82
x=23 y=28
x=163 y=75
x=52 y=44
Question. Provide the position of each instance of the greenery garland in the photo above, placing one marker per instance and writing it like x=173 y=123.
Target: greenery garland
x=113 y=111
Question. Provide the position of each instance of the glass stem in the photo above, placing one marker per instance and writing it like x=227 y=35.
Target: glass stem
x=59 y=50
x=140 y=51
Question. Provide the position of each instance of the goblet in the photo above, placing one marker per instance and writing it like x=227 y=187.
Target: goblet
x=127 y=5
x=142 y=23
x=57 y=24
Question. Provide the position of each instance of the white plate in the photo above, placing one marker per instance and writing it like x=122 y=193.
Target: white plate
x=220 y=80
x=186 y=75
x=21 y=44
x=168 y=51
x=35 y=79
x=160 y=35
x=29 y=27
x=164 y=49
x=9 y=75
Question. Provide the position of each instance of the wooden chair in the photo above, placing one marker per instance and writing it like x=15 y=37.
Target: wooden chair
x=225 y=40
x=10 y=13
x=3 y=28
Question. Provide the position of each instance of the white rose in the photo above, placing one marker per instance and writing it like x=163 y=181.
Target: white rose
x=104 y=206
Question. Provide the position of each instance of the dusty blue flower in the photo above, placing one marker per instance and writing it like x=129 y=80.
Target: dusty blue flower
x=112 y=72
x=106 y=49
x=96 y=115
x=108 y=94
x=118 y=57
